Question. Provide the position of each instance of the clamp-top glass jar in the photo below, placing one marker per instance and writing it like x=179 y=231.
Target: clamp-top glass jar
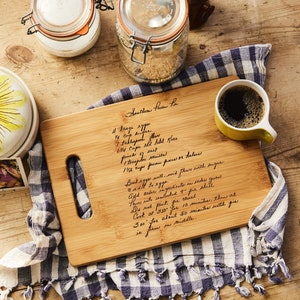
x=153 y=38
x=66 y=27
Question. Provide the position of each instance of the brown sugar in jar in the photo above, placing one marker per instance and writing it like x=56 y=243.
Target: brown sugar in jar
x=153 y=38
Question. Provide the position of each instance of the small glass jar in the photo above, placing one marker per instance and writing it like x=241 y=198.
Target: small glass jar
x=65 y=28
x=153 y=38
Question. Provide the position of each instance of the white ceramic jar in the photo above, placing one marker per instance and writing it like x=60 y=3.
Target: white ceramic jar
x=153 y=38
x=65 y=28
x=19 y=118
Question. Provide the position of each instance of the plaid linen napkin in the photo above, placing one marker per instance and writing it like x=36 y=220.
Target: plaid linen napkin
x=210 y=262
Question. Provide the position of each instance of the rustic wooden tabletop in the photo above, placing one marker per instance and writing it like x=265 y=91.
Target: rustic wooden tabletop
x=62 y=86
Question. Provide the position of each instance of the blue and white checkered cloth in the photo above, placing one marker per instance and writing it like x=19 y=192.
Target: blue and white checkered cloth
x=227 y=258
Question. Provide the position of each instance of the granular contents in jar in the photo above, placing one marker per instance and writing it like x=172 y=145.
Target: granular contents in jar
x=241 y=107
x=159 y=66
x=161 y=62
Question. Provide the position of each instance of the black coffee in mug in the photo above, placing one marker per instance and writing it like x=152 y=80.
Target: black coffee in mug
x=241 y=107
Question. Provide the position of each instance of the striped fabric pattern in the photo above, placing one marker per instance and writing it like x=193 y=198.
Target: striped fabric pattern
x=227 y=258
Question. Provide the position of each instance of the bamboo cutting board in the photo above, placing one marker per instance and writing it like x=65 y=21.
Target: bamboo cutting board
x=157 y=171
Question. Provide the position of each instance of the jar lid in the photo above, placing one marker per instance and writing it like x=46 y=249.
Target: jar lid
x=156 y=21
x=62 y=18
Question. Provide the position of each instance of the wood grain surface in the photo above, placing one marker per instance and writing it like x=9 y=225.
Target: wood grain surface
x=62 y=86
x=151 y=180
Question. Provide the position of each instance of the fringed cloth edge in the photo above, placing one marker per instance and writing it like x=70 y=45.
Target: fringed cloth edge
x=174 y=271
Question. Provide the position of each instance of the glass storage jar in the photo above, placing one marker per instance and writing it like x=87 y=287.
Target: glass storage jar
x=66 y=28
x=153 y=38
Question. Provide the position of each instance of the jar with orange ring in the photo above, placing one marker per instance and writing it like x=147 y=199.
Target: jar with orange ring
x=153 y=38
x=66 y=28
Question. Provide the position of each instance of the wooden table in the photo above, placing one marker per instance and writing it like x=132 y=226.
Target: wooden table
x=61 y=86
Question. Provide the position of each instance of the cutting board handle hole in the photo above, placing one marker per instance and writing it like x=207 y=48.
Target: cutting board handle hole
x=79 y=187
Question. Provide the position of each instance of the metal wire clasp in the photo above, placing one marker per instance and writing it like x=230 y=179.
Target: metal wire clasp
x=26 y=18
x=32 y=29
x=145 y=47
x=104 y=5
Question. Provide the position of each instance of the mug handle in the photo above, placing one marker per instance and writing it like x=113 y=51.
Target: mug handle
x=267 y=134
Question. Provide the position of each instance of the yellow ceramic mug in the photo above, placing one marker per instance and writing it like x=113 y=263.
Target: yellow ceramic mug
x=242 y=111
